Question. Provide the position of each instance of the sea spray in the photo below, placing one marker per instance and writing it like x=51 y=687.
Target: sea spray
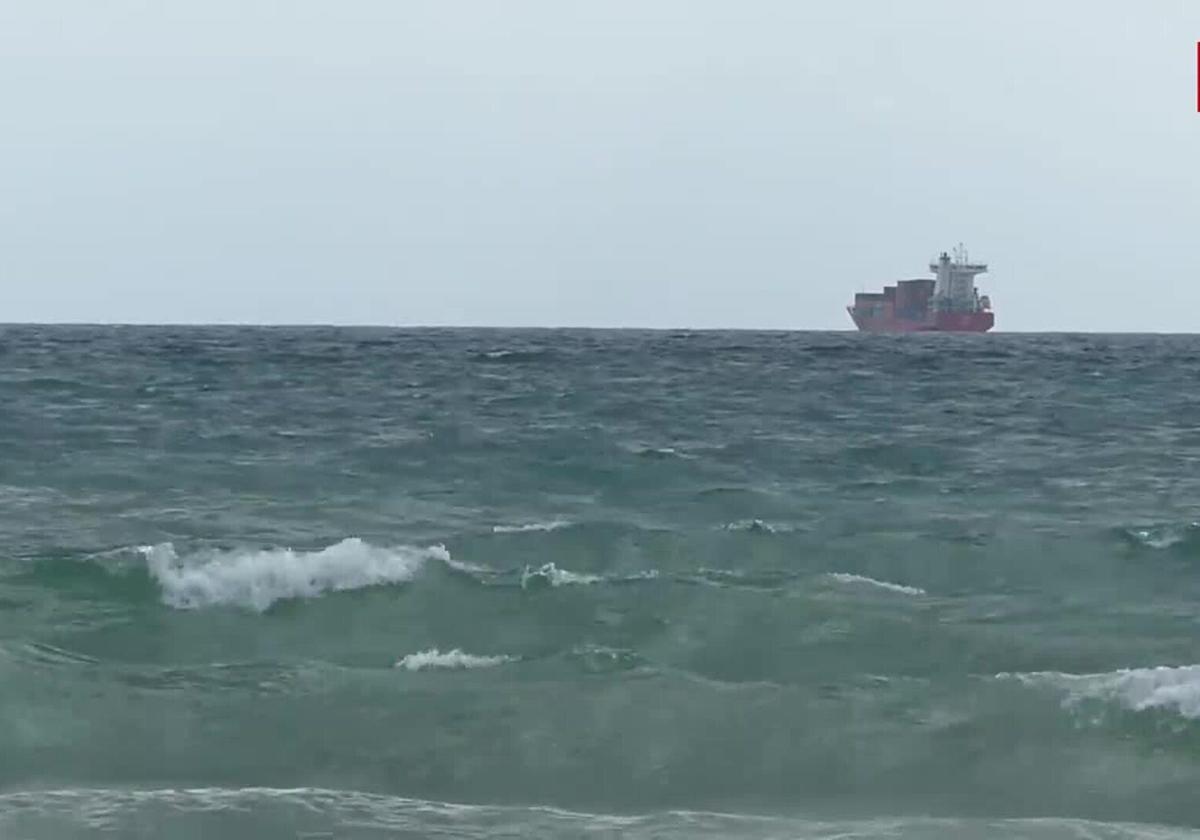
x=450 y=660
x=257 y=578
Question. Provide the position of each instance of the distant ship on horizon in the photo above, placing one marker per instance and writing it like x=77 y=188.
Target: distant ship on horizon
x=949 y=302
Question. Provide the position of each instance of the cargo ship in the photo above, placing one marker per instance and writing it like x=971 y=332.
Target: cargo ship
x=948 y=302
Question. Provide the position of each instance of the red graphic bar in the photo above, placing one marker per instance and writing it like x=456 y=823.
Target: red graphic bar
x=1198 y=77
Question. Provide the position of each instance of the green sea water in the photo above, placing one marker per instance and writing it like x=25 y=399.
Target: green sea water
x=316 y=582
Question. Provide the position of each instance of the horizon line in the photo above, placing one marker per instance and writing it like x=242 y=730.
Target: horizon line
x=539 y=327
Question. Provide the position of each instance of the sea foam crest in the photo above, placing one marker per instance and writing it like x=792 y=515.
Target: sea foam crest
x=550 y=574
x=1138 y=689
x=552 y=525
x=1164 y=536
x=450 y=660
x=756 y=526
x=258 y=578
x=846 y=577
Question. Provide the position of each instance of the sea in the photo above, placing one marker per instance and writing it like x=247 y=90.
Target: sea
x=332 y=582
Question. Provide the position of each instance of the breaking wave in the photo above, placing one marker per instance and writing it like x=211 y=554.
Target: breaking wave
x=659 y=452
x=319 y=812
x=846 y=577
x=1137 y=689
x=258 y=578
x=758 y=526
x=552 y=525
x=549 y=574
x=450 y=660
x=1164 y=536
x=503 y=356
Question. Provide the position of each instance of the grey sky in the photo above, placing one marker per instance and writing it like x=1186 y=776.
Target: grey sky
x=620 y=163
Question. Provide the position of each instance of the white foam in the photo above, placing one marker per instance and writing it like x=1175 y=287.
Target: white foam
x=470 y=569
x=551 y=574
x=552 y=525
x=1162 y=537
x=453 y=659
x=659 y=452
x=846 y=577
x=757 y=525
x=259 y=578
x=1138 y=689
x=556 y=576
x=1165 y=541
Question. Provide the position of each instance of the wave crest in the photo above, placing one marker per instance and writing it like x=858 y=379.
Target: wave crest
x=549 y=574
x=528 y=527
x=846 y=577
x=1164 y=536
x=450 y=660
x=506 y=356
x=258 y=578
x=1137 y=689
x=758 y=526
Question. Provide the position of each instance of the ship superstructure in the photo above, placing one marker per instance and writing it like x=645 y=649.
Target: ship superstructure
x=947 y=303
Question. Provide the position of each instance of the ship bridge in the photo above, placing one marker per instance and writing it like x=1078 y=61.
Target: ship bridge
x=954 y=290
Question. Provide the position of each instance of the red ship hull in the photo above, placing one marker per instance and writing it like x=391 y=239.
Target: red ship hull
x=975 y=322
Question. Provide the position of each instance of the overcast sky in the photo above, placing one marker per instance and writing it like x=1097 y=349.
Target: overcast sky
x=690 y=163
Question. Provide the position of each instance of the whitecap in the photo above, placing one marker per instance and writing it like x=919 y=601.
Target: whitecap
x=450 y=660
x=659 y=452
x=551 y=574
x=1162 y=536
x=508 y=355
x=757 y=526
x=846 y=577
x=1137 y=689
x=257 y=578
x=469 y=569
x=1164 y=541
x=552 y=525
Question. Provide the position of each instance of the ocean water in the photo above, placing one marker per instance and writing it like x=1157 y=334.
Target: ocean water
x=380 y=583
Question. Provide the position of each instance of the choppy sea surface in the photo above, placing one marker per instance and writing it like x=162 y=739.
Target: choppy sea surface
x=318 y=582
